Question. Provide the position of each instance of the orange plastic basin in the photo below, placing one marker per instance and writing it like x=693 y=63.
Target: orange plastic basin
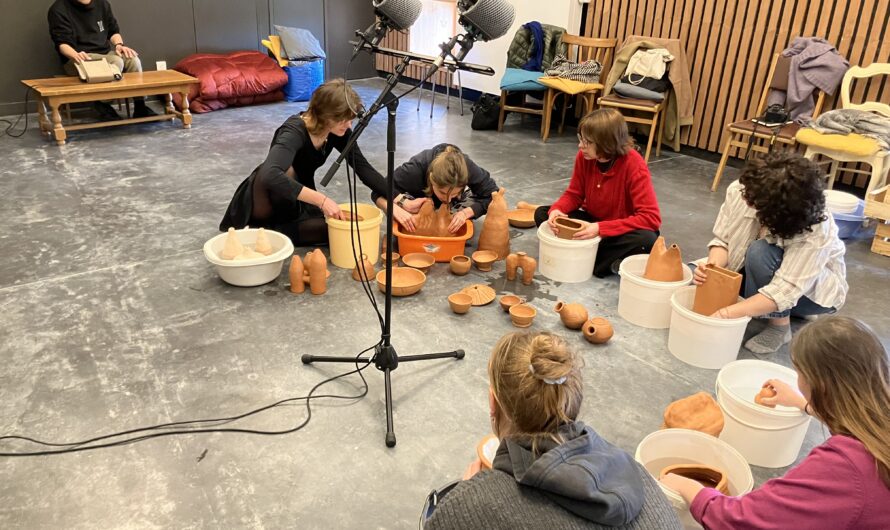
x=442 y=248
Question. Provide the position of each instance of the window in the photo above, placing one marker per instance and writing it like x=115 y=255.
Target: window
x=436 y=24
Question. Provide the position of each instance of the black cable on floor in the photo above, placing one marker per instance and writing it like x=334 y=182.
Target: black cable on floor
x=11 y=125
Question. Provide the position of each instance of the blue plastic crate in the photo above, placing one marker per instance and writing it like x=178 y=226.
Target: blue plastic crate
x=850 y=225
x=302 y=79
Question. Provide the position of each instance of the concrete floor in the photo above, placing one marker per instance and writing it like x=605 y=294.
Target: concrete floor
x=112 y=319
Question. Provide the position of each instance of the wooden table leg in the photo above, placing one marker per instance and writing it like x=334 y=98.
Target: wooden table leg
x=186 y=115
x=41 y=116
x=168 y=104
x=58 y=130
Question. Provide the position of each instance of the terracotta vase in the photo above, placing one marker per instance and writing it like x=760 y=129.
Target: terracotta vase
x=460 y=265
x=573 y=316
x=707 y=476
x=432 y=222
x=698 y=412
x=232 y=247
x=597 y=330
x=528 y=265
x=721 y=289
x=364 y=270
x=567 y=227
x=765 y=392
x=295 y=273
x=512 y=265
x=665 y=264
x=318 y=268
x=262 y=244
x=495 y=234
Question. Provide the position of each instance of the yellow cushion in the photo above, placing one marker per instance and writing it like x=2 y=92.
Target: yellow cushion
x=568 y=86
x=852 y=144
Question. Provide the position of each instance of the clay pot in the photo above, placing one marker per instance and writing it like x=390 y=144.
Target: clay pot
x=522 y=315
x=419 y=260
x=665 y=264
x=698 y=412
x=405 y=281
x=364 y=270
x=509 y=300
x=512 y=264
x=318 y=271
x=597 y=330
x=522 y=205
x=432 y=222
x=232 y=247
x=484 y=258
x=495 y=234
x=395 y=260
x=262 y=244
x=460 y=302
x=765 y=392
x=295 y=273
x=460 y=265
x=521 y=260
x=521 y=218
x=721 y=289
x=566 y=227
x=707 y=476
x=573 y=316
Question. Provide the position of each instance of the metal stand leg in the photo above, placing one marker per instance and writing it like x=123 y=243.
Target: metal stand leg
x=460 y=93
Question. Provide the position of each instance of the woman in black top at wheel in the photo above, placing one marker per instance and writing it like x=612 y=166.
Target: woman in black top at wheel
x=280 y=194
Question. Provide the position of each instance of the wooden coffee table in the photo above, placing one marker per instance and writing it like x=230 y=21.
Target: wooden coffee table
x=54 y=92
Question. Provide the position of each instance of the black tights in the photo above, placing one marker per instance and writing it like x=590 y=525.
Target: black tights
x=306 y=232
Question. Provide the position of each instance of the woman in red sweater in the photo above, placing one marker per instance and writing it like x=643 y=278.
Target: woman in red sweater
x=611 y=189
x=844 y=380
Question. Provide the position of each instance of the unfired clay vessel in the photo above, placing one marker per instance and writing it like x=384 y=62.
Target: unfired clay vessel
x=262 y=244
x=665 y=264
x=522 y=315
x=295 y=273
x=484 y=258
x=597 y=330
x=364 y=270
x=521 y=218
x=419 y=260
x=765 y=392
x=460 y=265
x=432 y=222
x=567 y=227
x=573 y=316
x=509 y=300
x=521 y=260
x=405 y=281
x=460 y=302
x=522 y=205
x=698 y=412
x=481 y=294
x=707 y=476
x=721 y=289
x=495 y=234
x=232 y=247
x=318 y=271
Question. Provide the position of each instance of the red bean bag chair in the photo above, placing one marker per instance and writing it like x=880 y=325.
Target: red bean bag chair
x=231 y=80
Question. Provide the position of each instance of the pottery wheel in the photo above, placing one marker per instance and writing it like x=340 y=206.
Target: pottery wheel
x=481 y=294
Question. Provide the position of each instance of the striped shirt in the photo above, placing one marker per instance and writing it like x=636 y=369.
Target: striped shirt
x=813 y=263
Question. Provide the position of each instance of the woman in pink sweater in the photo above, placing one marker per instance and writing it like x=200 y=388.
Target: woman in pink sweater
x=844 y=377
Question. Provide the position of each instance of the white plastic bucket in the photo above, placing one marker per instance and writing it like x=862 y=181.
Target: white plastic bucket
x=368 y=233
x=565 y=260
x=702 y=341
x=767 y=437
x=668 y=447
x=249 y=272
x=643 y=302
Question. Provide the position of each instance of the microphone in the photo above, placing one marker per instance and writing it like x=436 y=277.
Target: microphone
x=484 y=20
x=392 y=14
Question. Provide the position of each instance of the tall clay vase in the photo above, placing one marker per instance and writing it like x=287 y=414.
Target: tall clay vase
x=528 y=265
x=597 y=330
x=364 y=270
x=665 y=264
x=573 y=316
x=318 y=268
x=721 y=289
x=295 y=273
x=495 y=234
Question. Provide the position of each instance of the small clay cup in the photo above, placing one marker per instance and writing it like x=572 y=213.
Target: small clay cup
x=484 y=258
x=509 y=300
x=765 y=392
x=395 y=260
x=419 y=260
x=522 y=315
x=567 y=227
x=460 y=302
x=460 y=265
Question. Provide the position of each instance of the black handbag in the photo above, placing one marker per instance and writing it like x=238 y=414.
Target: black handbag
x=486 y=112
x=773 y=118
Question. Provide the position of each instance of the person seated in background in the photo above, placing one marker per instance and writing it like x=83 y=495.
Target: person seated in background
x=84 y=30
x=280 y=193
x=844 y=381
x=611 y=189
x=444 y=175
x=550 y=470
x=774 y=229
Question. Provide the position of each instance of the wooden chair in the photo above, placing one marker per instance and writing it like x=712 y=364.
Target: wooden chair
x=740 y=132
x=852 y=147
x=578 y=49
x=639 y=106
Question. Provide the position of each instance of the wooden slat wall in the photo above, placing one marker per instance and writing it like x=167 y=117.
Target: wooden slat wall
x=729 y=46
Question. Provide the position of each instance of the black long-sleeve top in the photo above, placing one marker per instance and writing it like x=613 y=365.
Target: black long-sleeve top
x=411 y=178
x=86 y=28
x=269 y=196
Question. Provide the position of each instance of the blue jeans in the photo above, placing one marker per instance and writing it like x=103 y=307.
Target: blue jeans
x=761 y=263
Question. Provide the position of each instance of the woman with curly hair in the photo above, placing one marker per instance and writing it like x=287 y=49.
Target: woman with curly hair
x=773 y=227
x=844 y=381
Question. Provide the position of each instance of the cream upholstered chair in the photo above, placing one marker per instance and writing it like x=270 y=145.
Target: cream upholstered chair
x=852 y=147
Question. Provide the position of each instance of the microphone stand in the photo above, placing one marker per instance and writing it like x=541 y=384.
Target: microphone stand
x=385 y=357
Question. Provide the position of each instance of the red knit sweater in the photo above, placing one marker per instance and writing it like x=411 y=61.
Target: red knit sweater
x=621 y=200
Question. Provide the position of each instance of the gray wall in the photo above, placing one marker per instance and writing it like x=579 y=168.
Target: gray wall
x=169 y=30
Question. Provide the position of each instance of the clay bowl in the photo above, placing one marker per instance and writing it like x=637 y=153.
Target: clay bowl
x=509 y=300
x=521 y=218
x=484 y=258
x=460 y=265
x=522 y=315
x=419 y=260
x=567 y=227
x=405 y=281
x=460 y=302
x=395 y=260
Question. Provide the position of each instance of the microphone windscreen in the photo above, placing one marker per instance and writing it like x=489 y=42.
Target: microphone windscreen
x=492 y=18
x=401 y=13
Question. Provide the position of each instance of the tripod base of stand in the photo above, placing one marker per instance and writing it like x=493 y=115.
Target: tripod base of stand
x=386 y=360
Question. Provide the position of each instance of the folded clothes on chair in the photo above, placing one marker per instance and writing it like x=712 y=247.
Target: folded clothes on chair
x=846 y=121
x=516 y=79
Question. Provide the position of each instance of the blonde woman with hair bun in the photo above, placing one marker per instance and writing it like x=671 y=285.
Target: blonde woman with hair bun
x=550 y=470
x=444 y=175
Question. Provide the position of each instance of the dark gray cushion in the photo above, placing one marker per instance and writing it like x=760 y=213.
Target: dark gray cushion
x=631 y=91
x=299 y=43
